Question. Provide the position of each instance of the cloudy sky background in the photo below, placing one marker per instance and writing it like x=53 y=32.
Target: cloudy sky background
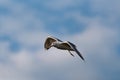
x=93 y=25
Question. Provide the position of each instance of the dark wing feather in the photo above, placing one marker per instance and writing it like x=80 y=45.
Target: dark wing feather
x=49 y=41
x=66 y=46
x=75 y=49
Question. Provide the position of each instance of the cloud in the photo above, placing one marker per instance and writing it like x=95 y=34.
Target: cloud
x=47 y=64
x=28 y=27
x=98 y=43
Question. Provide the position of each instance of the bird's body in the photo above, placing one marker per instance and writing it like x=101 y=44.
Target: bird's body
x=66 y=45
x=59 y=45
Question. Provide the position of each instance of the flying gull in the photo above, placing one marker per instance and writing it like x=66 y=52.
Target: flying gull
x=63 y=45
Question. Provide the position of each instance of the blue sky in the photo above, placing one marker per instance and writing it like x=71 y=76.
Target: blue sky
x=93 y=25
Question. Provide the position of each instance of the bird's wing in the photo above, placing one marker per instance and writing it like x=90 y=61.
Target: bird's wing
x=75 y=49
x=66 y=45
x=49 y=41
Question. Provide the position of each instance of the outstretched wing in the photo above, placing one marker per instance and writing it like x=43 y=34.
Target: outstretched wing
x=66 y=45
x=75 y=49
x=49 y=41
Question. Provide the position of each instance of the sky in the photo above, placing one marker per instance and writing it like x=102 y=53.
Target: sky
x=92 y=25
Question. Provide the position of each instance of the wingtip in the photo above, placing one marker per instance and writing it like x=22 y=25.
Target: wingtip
x=83 y=59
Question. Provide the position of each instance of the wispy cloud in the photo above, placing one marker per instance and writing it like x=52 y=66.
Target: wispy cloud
x=25 y=26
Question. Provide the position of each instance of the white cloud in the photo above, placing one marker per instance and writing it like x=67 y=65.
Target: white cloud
x=96 y=43
x=92 y=43
x=97 y=36
x=4 y=46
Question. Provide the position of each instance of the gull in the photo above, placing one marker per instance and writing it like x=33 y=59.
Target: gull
x=63 y=45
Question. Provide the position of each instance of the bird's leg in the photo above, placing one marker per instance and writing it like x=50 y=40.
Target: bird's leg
x=70 y=53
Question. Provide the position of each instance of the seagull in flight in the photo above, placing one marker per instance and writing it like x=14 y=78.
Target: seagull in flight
x=63 y=45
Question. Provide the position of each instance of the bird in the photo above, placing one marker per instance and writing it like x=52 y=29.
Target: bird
x=63 y=45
